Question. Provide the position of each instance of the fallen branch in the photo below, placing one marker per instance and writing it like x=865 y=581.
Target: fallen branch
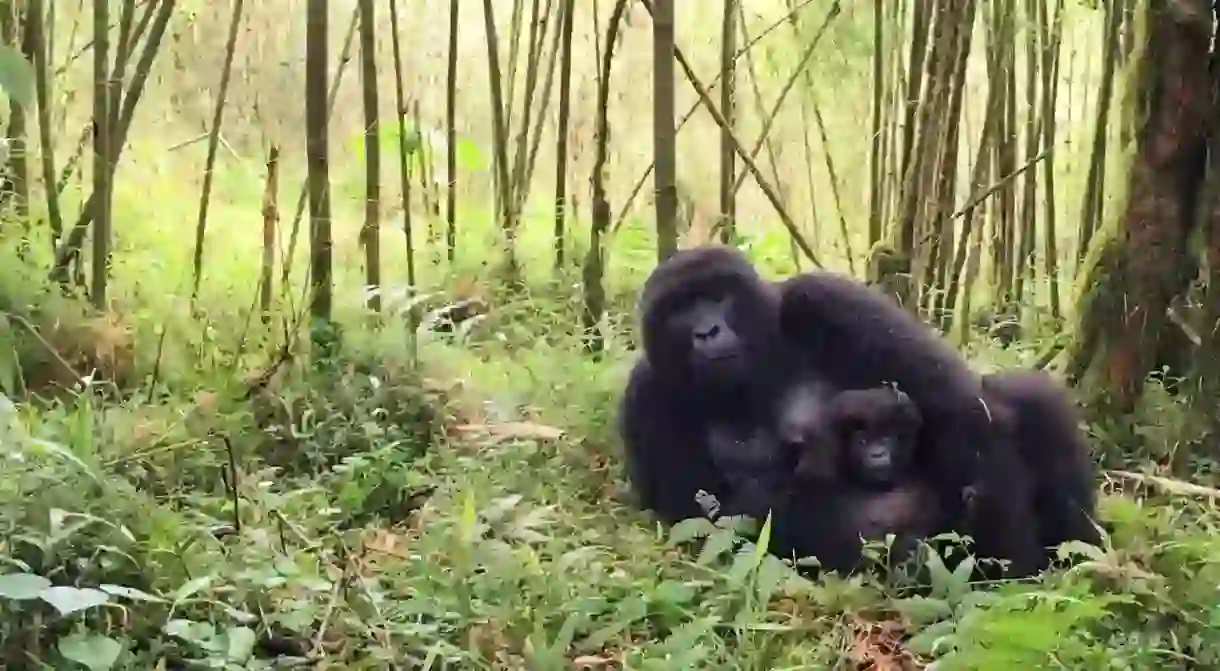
x=1168 y=485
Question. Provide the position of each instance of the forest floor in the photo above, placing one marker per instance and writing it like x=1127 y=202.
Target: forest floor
x=457 y=501
x=468 y=511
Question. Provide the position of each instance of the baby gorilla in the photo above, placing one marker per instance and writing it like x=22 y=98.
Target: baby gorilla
x=873 y=433
x=859 y=484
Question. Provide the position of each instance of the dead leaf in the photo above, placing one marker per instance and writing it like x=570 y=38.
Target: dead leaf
x=877 y=646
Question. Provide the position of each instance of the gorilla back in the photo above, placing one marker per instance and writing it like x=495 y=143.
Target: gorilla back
x=856 y=337
x=1055 y=451
x=711 y=355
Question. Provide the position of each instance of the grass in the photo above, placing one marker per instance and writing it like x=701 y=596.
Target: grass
x=466 y=509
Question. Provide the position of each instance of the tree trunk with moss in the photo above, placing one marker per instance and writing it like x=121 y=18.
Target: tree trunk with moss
x=1130 y=274
x=1205 y=362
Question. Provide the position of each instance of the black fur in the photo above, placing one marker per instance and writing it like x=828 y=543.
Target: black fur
x=753 y=464
x=758 y=460
x=837 y=500
x=706 y=362
x=867 y=425
x=856 y=337
x=1053 y=446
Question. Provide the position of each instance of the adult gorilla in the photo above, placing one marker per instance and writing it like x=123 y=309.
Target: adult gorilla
x=720 y=347
x=712 y=355
x=855 y=337
x=1051 y=443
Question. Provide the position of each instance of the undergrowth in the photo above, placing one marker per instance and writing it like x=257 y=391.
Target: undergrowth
x=457 y=502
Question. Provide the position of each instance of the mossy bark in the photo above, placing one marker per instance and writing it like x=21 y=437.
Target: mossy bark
x=1130 y=273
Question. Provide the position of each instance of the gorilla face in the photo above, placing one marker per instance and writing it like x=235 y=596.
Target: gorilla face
x=707 y=337
x=705 y=342
x=878 y=458
x=878 y=430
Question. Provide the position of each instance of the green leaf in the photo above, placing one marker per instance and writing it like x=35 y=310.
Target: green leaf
x=764 y=539
x=241 y=643
x=674 y=592
x=92 y=650
x=22 y=586
x=771 y=575
x=959 y=585
x=921 y=609
x=940 y=576
x=68 y=600
x=689 y=529
x=717 y=544
x=927 y=641
x=191 y=588
x=1069 y=548
x=16 y=75
x=130 y=593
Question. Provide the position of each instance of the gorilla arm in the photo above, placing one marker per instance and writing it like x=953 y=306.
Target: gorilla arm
x=858 y=338
x=666 y=449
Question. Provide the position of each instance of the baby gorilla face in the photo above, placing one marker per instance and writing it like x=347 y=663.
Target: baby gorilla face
x=877 y=457
x=878 y=429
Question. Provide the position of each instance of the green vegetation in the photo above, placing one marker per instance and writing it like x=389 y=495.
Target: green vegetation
x=185 y=487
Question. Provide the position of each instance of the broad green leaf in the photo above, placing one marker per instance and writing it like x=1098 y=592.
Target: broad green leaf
x=689 y=529
x=22 y=586
x=959 y=585
x=16 y=75
x=927 y=641
x=920 y=609
x=717 y=544
x=68 y=600
x=672 y=591
x=241 y=643
x=191 y=588
x=95 y=651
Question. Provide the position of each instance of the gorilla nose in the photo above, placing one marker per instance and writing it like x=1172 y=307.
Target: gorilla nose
x=707 y=332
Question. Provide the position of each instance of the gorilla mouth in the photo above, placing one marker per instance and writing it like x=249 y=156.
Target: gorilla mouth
x=721 y=356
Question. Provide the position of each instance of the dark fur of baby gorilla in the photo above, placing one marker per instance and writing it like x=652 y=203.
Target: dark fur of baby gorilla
x=712 y=357
x=860 y=484
x=873 y=434
x=857 y=338
x=1052 y=444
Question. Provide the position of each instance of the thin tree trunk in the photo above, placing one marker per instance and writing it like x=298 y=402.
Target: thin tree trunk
x=874 y=163
x=317 y=152
x=1094 y=193
x=404 y=153
x=271 y=216
x=664 y=135
x=101 y=150
x=593 y=271
x=46 y=143
x=728 y=92
x=561 y=150
x=370 y=232
x=213 y=144
x=451 y=136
